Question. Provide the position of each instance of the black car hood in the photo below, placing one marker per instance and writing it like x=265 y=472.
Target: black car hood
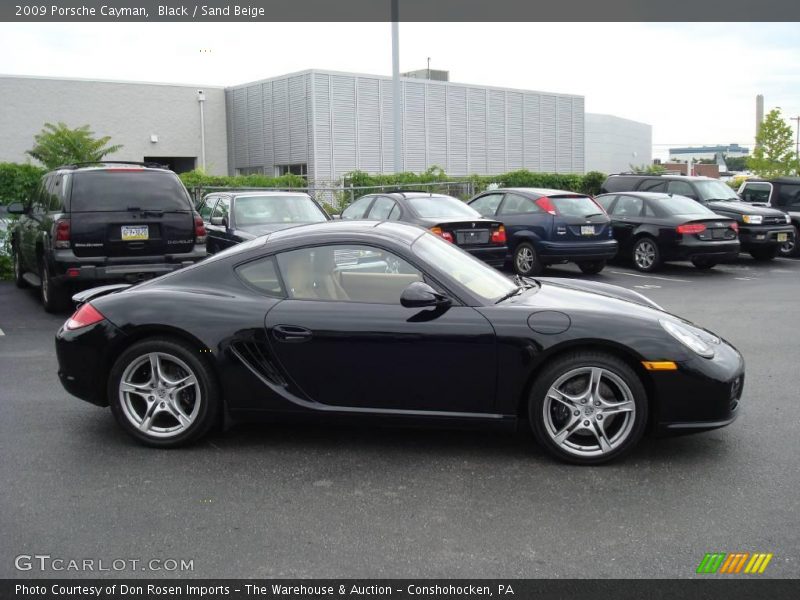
x=743 y=208
x=591 y=287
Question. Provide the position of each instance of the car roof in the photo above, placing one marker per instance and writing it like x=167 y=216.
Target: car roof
x=257 y=193
x=360 y=229
x=644 y=195
x=111 y=166
x=540 y=191
x=666 y=176
x=407 y=195
x=791 y=180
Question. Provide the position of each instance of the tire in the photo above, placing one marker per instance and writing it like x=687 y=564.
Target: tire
x=645 y=255
x=570 y=428
x=19 y=271
x=703 y=264
x=55 y=298
x=163 y=415
x=592 y=267
x=764 y=254
x=791 y=249
x=526 y=261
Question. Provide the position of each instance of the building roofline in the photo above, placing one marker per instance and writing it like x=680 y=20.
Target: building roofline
x=118 y=81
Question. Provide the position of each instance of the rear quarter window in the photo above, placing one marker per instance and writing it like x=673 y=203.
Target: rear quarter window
x=620 y=184
x=119 y=190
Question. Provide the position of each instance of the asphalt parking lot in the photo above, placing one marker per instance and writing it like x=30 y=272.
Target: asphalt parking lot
x=347 y=501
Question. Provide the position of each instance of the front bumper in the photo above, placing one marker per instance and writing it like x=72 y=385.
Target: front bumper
x=494 y=256
x=66 y=266
x=574 y=251
x=702 y=394
x=762 y=236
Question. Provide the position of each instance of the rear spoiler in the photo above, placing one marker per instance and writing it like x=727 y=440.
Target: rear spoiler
x=92 y=293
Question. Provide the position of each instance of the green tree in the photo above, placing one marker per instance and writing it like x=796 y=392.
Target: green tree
x=774 y=154
x=648 y=169
x=58 y=145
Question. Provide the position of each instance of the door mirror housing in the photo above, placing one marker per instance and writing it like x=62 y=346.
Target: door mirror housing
x=16 y=208
x=218 y=221
x=420 y=295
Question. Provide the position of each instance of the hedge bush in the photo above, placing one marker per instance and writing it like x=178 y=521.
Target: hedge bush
x=18 y=181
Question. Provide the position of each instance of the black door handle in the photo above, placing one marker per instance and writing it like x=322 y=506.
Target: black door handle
x=291 y=333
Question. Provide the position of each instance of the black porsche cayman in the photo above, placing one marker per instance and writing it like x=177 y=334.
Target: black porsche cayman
x=387 y=319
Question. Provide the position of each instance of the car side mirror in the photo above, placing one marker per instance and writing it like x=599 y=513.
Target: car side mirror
x=218 y=221
x=336 y=217
x=16 y=208
x=420 y=295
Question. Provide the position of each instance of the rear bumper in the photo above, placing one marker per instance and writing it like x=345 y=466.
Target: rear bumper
x=494 y=256
x=589 y=250
x=690 y=248
x=68 y=267
x=763 y=236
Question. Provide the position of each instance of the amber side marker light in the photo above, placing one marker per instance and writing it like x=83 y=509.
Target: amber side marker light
x=659 y=365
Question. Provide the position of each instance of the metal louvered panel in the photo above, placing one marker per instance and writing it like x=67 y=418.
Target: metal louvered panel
x=387 y=126
x=298 y=121
x=578 y=136
x=547 y=113
x=369 y=125
x=476 y=123
x=280 y=121
x=255 y=127
x=513 y=131
x=322 y=127
x=269 y=133
x=311 y=168
x=531 y=143
x=240 y=127
x=436 y=119
x=497 y=131
x=457 y=130
x=343 y=112
x=564 y=135
x=414 y=131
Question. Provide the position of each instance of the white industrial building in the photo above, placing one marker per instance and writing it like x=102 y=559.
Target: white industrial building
x=614 y=144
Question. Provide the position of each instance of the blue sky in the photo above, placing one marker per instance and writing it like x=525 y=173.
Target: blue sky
x=694 y=82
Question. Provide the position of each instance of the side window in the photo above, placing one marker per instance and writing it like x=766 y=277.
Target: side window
x=262 y=275
x=653 y=185
x=39 y=200
x=381 y=208
x=222 y=209
x=756 y=192
x=56 y=203
x=680 y=188
x=356 y=209
x=346 y=274
x=394 y=215
x=487 y=205
x=789 y=196
x=515 y=204
x=648 y=211
x=605 y=202
x=206 y=206
x=627 y=206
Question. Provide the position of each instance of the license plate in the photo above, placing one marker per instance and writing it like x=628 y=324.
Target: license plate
x=470 y=236
x=132 y=233
x=783 y=237
x=587 y=229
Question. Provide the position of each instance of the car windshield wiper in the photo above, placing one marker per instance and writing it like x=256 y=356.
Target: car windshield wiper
x=593 y=215
x=723 y=200
x=513 y=292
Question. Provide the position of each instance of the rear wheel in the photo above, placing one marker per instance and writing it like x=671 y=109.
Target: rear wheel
x=162 y=393
x=588 y=408
x=55 y=297
x=592 y=267
x=703 y=263
x=18 y=270
x=791 y=248
x=764 y=254
x=646 y=255
x=526 y=261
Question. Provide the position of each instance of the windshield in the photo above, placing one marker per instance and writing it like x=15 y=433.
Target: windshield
x=575 y=206
x=260 y=210
x=715 y=190
x=437 y=207
x=482 y=280
x=681 y=205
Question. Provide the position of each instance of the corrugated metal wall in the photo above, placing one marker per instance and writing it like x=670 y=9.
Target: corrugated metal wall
x=338 y=122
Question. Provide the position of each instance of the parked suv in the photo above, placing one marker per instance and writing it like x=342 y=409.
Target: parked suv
x=762 y=230
x=546 y=226
x=782 y=193
x=101 y=222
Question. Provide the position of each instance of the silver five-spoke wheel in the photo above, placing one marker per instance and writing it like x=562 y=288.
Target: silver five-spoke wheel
x=645 y=254
x=160 y=395
x=524 y=259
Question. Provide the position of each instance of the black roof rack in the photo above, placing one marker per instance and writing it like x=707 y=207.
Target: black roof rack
x=152 y=165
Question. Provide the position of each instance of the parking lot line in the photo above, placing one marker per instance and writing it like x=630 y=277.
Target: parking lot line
x=651 y=276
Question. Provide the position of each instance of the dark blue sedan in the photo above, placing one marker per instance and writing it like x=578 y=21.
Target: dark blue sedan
x=545 y=227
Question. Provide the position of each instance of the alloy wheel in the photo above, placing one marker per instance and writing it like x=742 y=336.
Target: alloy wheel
x=525 y=259
x=589 y=411
x=645 y=254
x=787 y=248
x=160 y=395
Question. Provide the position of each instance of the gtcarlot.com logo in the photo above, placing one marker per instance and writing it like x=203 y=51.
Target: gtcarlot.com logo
x=733 y=563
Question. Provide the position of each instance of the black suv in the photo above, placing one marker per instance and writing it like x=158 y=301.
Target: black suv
x=782 y=193
x=762 y=230
x=101 y=222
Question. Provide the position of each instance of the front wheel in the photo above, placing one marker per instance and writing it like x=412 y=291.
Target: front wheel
x=18 y=270
x=162 y=393
x=790 y=248
x=588 y=408
x=592 y=267
x=764 y=254
x=646 y=255
x=526 y=260
x=703 y=264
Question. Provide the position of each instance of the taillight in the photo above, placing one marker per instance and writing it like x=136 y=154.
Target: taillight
x=445 y=235
x=691 y=228
x=499 y=235
x=735 y=226
x=62 y=233
x=546 y=205
x=199 y=230
x=86 y=315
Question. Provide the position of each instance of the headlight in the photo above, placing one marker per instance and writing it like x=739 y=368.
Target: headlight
x=697 y=340
x=753 y=219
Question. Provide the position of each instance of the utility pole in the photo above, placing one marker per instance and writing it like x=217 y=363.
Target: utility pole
x=397 y=113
